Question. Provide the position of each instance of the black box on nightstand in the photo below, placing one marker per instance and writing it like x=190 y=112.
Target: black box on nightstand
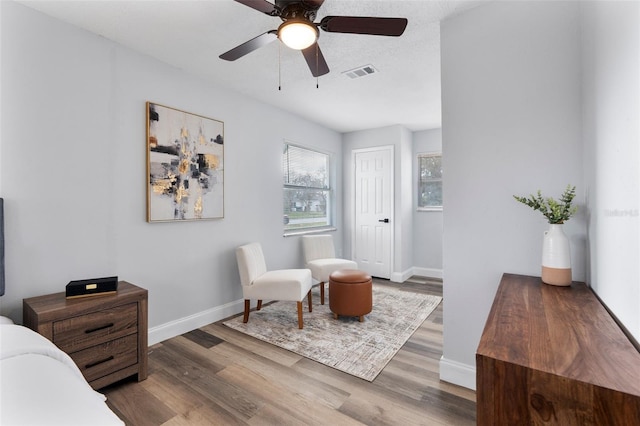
x=92 y=287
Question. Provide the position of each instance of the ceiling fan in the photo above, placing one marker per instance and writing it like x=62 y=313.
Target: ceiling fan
x=298 y=31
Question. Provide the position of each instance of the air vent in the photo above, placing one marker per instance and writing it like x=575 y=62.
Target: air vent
x=361 y=71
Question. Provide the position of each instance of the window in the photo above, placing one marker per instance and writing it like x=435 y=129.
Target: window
x=430 y=181
x=307 y=189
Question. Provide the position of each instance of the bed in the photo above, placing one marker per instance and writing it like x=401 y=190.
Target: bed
x=41 y=385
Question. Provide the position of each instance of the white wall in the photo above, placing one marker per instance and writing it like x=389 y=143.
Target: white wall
x=417 y=235
x=611 y=87
x=510 y=125
x=404 y=207
x=73 y=173
x=427 y=225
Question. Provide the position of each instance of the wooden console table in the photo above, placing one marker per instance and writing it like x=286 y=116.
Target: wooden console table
x=105 y=335
x=554 y=355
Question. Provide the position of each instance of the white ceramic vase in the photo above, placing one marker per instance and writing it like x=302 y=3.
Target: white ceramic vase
x=556 y=257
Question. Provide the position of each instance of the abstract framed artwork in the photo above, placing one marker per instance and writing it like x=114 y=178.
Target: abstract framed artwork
x=185 y=165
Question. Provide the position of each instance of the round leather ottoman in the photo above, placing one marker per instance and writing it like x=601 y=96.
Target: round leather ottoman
x=350 y=293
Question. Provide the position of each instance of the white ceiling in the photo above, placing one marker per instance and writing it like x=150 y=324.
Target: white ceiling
x=190 y=35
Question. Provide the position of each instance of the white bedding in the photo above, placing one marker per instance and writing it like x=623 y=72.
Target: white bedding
x=41 y=385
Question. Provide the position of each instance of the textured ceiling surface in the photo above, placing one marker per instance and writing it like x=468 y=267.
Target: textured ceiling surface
x=190 y=35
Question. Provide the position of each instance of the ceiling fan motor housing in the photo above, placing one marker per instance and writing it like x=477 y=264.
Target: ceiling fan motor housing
x=292 y=9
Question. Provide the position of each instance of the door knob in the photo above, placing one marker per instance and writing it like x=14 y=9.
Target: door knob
x=386 y=220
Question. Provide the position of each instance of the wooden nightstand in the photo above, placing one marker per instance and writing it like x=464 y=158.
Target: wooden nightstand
x=105 y=335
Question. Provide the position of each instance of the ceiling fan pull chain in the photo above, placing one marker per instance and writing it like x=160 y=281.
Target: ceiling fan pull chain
x=279 y=66
x=317 y=67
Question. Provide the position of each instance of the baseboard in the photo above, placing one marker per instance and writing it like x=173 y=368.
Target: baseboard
x=400 y=277
x=180 y=326
x=427 y=272
x=458 y=373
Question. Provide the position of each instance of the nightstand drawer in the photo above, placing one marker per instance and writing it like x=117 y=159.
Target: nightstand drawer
x=100 y=360
x=77 y=333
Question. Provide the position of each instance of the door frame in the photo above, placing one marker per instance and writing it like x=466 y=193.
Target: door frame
x=354 y=152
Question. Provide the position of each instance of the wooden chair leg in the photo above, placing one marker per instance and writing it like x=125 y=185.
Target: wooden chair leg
x=259 y=305
x=247 y=306
x=322 y=293
x=300 y=315
x=309 y=297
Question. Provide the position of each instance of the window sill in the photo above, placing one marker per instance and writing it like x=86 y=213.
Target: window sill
x=308 y=231
x=429 y=209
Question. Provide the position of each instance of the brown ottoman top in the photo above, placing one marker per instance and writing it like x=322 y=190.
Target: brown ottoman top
x=350 y=276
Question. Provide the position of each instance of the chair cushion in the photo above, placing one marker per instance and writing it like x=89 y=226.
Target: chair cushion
x=321 y=269
x=283 y=284
x=317 y=247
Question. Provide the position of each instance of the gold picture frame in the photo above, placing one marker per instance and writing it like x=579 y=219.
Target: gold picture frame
x=185 y=165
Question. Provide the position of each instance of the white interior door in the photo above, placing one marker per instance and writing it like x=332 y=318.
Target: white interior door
x=373 y=239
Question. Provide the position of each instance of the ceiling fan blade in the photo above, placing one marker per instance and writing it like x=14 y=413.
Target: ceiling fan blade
x=261 y=6
x=315 y=60
x=250 y=46
x=364 y=25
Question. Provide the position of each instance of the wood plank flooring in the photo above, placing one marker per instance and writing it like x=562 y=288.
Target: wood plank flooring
x=218 y=376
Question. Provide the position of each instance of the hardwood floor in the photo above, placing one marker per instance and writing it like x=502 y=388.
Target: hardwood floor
x=218 y=376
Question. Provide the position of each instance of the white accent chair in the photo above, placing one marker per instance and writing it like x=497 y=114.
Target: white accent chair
x=320 y=258
x=258 y=283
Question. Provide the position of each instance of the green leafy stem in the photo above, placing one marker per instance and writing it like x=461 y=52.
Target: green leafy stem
x=556 y=212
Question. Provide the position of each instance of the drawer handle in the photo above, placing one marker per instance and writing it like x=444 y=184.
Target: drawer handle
x=93 y=364
x=93 y=330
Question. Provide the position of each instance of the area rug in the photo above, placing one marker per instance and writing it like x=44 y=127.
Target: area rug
x=361 y=349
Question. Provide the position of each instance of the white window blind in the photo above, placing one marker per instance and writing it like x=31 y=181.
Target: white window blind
x=307 y=188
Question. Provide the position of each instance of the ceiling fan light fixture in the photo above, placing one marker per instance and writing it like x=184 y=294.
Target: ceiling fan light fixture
x=298 y=34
